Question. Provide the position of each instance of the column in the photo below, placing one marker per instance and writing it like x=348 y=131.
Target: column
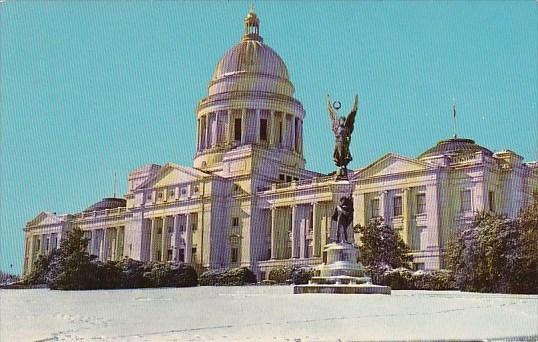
x=198 y=135
x=294 y=233
x=284 y=142
x=188 y=239
x=164 y=239
x=102 y=244
x=303 y=226
x=292 y=133
x=257 y=127
x=272 y=121
x=30 y=256
x=243 y=125
x=119 y=244
x=153 y=237
x=324 y=226
x=432 y=228
x=218 y=136
x=383 y=198
x=274 y=242
x=175 y=238
x=406 y=213
x=229 y=132
x=316 y=231
x=206 y=131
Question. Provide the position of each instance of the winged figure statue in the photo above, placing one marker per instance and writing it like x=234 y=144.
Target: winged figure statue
x=342 y=127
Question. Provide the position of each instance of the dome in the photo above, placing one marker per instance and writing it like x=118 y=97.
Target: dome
x=107 y=203
x=251 y=56
x=454 y=146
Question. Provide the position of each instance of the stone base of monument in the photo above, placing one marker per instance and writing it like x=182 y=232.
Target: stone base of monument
x=341 y=273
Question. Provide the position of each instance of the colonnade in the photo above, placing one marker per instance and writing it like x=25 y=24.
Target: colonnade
x=107 y=243
x=243 y=126
x=170 y=237
x=301 y=230
x=38 y=244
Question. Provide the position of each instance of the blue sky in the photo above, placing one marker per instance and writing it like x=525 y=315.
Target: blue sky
x=89 y=89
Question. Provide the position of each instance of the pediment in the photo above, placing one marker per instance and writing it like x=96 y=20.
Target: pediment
x=45 y=218
x=172 y=174
x=391 y=164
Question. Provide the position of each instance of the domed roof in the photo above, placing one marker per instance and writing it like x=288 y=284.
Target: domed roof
x=251 y=55
x=107 y=203
x=454 y=145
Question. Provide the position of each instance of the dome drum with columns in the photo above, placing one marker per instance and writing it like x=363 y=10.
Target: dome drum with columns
x=250 y=103
x=249 y=201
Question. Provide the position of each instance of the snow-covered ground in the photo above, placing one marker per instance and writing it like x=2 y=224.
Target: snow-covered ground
x=270 y=313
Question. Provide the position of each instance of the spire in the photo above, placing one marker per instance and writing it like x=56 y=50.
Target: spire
x=252 y=25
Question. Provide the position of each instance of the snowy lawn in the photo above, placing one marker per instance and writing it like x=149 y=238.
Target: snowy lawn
x=266 y=313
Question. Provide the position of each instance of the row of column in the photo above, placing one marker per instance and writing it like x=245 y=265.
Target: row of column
x=165 y=238
x=295 y=223
x=107 y=243
x=39 y=244
x=218 y=128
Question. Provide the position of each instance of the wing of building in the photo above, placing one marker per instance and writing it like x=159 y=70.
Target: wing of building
x=249 y=201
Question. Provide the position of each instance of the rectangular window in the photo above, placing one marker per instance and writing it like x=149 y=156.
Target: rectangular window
x=194 y=226
x=288 y=179
x=281 y=177
x=235 y=221
x=415 y=239
x=53 y=241
x=421 y=204
x=235 y=254
x=263 y=129
x=47 y=244
x=397 y=205
x=280 y=132
x=491 y=201
x=181 y=255
x=237 y=129
x=466 y=205
x=374 y=207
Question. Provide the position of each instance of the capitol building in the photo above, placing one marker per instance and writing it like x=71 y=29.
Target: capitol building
x=248 y=199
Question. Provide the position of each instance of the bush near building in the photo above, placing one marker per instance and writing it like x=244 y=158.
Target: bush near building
x=496 y=254
x=70 y=268
x=381 y=248
x=228 y=277
x=291 y=275
x=406 y=279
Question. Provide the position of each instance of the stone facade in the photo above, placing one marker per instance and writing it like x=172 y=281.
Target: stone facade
x=249 y=201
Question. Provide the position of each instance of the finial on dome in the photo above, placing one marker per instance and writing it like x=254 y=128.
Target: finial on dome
x=252 y=25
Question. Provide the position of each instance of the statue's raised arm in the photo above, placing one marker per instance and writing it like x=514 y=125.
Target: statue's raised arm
x=350 y=119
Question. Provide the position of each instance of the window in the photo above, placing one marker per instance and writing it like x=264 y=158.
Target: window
x=421 y=204
x=280 y=132
x=196 y=189
x=263 y=129
x=288 y=179
x=148 y=197
x=416 y=238
x=159 y=231
x=181 y=228
x=296 y=179
x=491 y=201
x=418 y=266
x=466 y=204
x=170 y=230
x=397 y=205
x=235 y=221
x=47 y=244
x=181 y=255
x=194 y=226
x=281 y=177
x=183 y=191
x=374 y=207
x=237 y=129
x=235 y=254
x=161 y=195
x=171 y=193
x=53 y=241
x=38 y=244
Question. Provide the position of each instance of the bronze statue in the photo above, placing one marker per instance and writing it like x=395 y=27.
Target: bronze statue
x=342 y=128
x=343 y=215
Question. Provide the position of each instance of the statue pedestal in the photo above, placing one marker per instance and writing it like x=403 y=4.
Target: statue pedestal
x=341 y=273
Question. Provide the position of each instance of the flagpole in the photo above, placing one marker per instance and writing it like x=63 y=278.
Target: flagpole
x=454 y=119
